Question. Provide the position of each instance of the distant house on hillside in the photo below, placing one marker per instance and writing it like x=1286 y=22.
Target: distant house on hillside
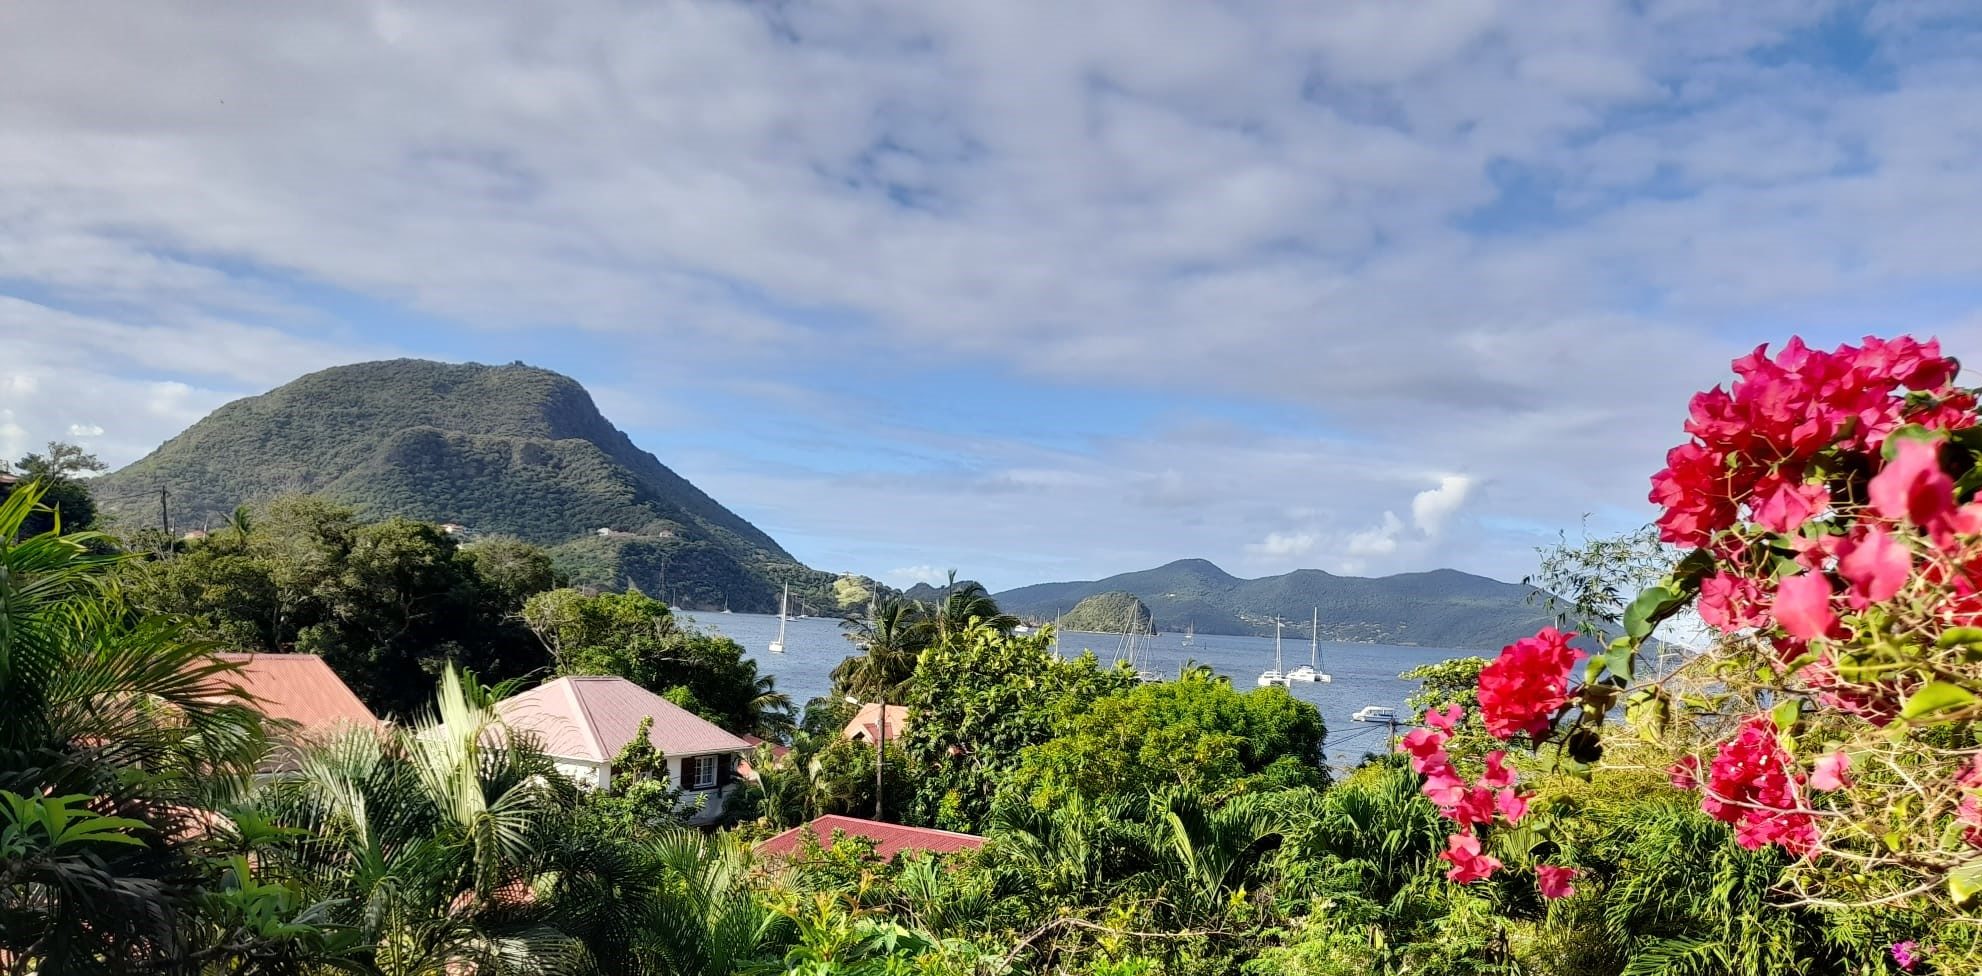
x=584 y=722
x=453 y=528
x=889 y=839
x=866 y=723
x=300 y=697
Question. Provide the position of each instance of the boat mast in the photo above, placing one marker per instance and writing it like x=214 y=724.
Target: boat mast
x=1314 y=640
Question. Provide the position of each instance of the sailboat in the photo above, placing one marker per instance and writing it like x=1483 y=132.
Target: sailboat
x=1190 y=632
x=1274 y=676
x=1312 y=671
x=784 y=611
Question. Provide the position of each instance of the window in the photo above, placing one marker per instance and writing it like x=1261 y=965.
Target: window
x=702 y=775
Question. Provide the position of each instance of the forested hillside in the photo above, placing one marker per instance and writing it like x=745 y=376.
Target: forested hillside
x=1441 y=608
x=511 y=450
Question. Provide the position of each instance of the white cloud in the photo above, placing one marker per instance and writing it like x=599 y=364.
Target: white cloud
x=85 y=430
x=1505 y=239
x=1281 y=545
x=906 y=576
x=1432 y=507
x=1380 y=540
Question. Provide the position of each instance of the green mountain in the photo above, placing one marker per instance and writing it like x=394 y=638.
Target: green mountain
x=1113 y=612
x=510 y=450
x=1441 y=608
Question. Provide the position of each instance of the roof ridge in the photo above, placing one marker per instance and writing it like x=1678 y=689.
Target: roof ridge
x=894 y=826
x=582 y=711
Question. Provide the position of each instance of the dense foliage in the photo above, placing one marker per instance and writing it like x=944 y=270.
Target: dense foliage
x=1113 y=612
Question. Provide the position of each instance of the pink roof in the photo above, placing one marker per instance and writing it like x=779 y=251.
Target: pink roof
x=595 y=717
x=297 y=688
x=889 y=839
x=866 y=723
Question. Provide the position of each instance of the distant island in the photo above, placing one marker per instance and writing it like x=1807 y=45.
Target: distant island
x=1113 y=612
x=1440 y=608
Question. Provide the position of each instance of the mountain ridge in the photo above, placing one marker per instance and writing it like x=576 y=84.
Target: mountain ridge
x=1432 y=608
x=511 y=450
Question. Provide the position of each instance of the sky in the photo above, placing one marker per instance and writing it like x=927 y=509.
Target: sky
x=1039 y=291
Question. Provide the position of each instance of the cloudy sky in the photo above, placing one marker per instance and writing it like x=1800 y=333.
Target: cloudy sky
x=1037 y=290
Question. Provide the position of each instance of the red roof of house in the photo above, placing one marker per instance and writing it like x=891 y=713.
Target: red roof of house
x=889 y=839
x=297 y=688
x=866 y=723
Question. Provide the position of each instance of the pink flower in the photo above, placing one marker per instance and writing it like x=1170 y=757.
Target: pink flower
x=1833 y=772
x=1468 y=864
x=1906 y=955
x=1803 y=606
x=1685 y=774
x=1876 y=566
x=1497 y=774
x=1555 y=881
x=1511 y=805
x=1785 y=509
x=1729 y=603
x=1444 y=718
x=1912 y=486
x=1445 y=790
x=1753 y=785
x=1521 y=689
x=1426 y=746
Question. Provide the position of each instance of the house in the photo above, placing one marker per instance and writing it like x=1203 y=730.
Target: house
x=866 y=723
x=583 y=723
x=298 y=693
x=744 y=770
x=453 y=528
x=889 y=839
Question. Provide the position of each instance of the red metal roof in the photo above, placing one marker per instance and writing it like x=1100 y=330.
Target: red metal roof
x=889 y=839
x=297 y=688
x=594 y=717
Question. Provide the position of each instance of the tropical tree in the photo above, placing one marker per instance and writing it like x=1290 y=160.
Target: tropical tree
x=890 y=636
x=117 y=729
x=965 y=604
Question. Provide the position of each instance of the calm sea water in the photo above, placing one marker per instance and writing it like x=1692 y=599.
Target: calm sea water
x=1365 y=674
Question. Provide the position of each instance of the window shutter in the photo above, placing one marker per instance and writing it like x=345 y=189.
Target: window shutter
x=725 y=771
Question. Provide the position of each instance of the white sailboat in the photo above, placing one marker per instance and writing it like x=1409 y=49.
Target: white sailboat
x=1312 y=671
x=1274 y=676
x=784 y=611
x=1190 y=632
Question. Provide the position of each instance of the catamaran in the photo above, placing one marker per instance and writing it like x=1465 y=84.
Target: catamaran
x=1312 y=671
x=1274 y=676
x=784 y=611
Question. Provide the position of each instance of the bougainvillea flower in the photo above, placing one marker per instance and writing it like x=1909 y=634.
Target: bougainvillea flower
x=1512 y=806
x=1833 y=772
x=1444 y=789
x=1752 y=784
x=1497 y=773
x=1685 y=773
x=1729 y=602
x=1913 y=487
x=1803 y=606
x=1444 y=718
x=1468 y=864
x=1785 y=508
x=1521 y=689
x=1426 y=746
x=1555 y=881
x=1906 y=955
x=1875 y=565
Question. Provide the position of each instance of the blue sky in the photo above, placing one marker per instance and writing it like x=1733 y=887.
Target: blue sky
x=1034 y=290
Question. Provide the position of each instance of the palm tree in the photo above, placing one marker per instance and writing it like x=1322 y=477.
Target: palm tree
x=772 y=714
x=706 y=919
x=1208 y=851
x=967 y=602
x=453 y=845
x=891 y=637
x=122 y=709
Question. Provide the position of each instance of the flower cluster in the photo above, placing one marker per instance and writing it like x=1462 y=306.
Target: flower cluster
x=1521 y=689
x=1492 y=799
x=1753 y=446
x=1754 y=784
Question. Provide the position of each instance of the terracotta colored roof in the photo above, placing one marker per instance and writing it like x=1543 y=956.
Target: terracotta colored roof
x=298 y=688
x=866 y=723
x=595 y=717
x=889 y=839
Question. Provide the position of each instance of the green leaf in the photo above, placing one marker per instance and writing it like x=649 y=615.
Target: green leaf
x=1786 y=713
x=1647 y=610
x=1935 y=697
x=1910 y=432
x=1964 y=882
x=1960 y=635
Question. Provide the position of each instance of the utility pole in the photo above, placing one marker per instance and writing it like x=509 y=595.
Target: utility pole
x=164 y=516
x=880 y=744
